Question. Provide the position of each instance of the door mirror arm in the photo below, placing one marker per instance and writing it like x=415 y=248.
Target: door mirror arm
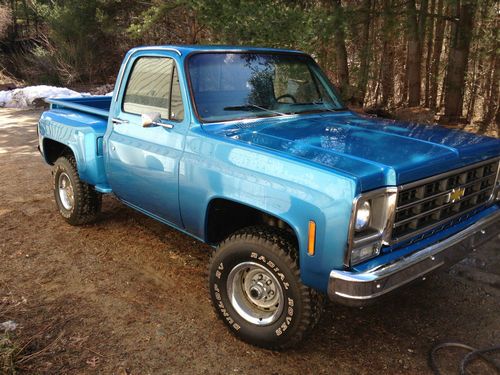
x=153 y=119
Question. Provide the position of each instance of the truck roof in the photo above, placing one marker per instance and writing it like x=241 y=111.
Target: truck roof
x=187 y=49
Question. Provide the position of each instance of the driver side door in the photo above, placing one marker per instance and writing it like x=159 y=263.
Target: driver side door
x=143 y=162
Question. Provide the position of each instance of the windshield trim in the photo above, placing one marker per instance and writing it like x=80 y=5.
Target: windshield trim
x=247 y=51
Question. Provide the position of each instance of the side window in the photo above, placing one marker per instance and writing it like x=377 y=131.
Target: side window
x=153 y=86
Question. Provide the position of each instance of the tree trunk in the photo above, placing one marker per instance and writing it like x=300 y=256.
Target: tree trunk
x=13 y=26
x=436 y=56
x=379 y=78
x=430 y=38
x=413 y=57
x=365 y=49
x=473 y=91
x=404 y=76
x=497 y=120
x=387 y=73
x=457 y=59
x=476 y=58
x=340 y=49
x=487 y=67
x=416 y=32
x=493 y=94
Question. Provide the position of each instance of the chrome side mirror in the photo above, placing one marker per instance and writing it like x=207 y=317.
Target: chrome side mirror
x=151 y=119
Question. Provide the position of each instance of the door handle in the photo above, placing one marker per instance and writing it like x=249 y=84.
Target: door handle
x=118 y=121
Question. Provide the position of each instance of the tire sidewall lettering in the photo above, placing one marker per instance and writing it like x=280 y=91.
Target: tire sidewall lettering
x=222 y=308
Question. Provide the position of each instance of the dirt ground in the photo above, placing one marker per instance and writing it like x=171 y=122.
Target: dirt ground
x=128 y=295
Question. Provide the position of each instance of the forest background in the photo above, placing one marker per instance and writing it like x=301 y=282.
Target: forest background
x=439 y=58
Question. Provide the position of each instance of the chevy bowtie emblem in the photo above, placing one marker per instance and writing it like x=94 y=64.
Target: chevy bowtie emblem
x=456 y=195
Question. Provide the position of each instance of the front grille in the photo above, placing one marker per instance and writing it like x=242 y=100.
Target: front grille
x=426 y=204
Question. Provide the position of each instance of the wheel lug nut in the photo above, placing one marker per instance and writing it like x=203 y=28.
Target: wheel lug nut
x=269 y=282
x=260 y=276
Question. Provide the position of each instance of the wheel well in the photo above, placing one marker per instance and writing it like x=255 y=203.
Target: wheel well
x=225 y=217
x=52 y=150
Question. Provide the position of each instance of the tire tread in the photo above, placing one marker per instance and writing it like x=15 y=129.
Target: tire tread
x=88 y=202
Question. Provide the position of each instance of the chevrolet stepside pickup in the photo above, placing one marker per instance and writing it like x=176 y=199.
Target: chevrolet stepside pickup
x=251 y=150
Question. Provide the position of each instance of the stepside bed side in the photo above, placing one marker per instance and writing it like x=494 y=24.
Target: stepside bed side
x=62 y=130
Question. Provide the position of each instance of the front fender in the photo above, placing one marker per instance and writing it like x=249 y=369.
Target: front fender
x=283 y=187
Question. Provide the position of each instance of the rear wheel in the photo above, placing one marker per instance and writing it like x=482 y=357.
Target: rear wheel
x=255 y=287
x=77 y=201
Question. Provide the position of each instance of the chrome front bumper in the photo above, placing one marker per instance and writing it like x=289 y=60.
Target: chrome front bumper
x=359 y=288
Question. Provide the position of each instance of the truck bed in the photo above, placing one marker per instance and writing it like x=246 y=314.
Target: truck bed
x=95 y=105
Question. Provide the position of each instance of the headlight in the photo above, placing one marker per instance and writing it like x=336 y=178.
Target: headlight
x=371 y=223
x=363 y=216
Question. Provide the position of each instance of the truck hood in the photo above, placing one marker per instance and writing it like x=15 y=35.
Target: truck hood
x=375 y=152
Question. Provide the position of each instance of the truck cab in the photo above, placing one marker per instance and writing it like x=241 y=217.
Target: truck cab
x=252 y=151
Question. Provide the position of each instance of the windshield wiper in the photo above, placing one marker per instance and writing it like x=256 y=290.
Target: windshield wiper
x=325 y=106
x=323 y=109
x=250 y=107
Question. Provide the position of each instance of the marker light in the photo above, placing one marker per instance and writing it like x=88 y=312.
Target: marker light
x=312 y=238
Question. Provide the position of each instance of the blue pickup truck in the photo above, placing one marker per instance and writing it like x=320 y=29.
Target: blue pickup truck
x=251 y=151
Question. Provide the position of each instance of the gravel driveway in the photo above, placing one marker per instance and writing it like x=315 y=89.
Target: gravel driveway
x=128 y=295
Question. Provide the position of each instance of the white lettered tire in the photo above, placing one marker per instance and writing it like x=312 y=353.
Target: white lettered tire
x=255 y=287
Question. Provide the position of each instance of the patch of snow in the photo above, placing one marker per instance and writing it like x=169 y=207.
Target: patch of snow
x=8 y=326
x=24 y=98
x=110 y=93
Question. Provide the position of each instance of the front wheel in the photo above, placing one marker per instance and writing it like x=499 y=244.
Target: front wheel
x=255 y=287
x=77 y=201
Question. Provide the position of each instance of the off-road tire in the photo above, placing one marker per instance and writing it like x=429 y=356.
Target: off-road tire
x=87 y=201
x=275 y=250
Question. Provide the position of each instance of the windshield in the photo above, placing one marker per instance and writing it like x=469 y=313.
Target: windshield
x=231 y=86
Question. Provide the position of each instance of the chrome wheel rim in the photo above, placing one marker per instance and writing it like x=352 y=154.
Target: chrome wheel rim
x=255 y=293
x=66 y=193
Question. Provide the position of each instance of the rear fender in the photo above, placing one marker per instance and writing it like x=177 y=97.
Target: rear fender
x=80 y=133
